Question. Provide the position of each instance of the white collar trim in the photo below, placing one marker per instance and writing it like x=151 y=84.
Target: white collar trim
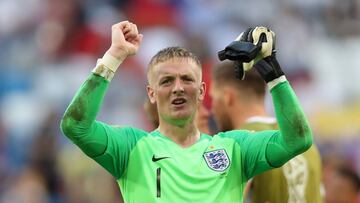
x=261 y=119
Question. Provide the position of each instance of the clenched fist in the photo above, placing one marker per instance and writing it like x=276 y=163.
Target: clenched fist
x=125 y=40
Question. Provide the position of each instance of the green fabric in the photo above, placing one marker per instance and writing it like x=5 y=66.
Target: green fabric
x=295 y=134
x=215 y=169
x=301 y=183
x=78 y=122
x=253 y=150
x=120 y=143
x=185 y=175
x=92 y=137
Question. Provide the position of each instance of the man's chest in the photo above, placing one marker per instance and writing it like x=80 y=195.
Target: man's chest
x=204 y=161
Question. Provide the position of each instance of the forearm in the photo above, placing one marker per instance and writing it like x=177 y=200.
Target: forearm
x=295 y=135
x=78 y=122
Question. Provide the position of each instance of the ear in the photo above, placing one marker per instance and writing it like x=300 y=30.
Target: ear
x=202 y=91
x=151 y=94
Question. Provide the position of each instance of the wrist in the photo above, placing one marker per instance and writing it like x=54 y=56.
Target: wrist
x=103 y=71
x=107 y=65
x=276 y=81
x=269 y=69
x=118 y=53
x=110 y=61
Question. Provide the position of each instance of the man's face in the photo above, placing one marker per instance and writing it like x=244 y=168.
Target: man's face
x=177 y=89
x=218 y=107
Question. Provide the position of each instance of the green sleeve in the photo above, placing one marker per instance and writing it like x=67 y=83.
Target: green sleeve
x=107 y=145
x=263 y=150
x=120 y=142
x=295 y=135
x=252 y=149
x=78 y=122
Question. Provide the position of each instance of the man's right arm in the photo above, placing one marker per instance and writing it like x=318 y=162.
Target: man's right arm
x=78 y=122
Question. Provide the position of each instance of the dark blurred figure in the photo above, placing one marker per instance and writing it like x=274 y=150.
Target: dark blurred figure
x=43 y=155
x=152 y=13
x=343 y=187
x=342 y=18
x=27 y=186
x=64 y=31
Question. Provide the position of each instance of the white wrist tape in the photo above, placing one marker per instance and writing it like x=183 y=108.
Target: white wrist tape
x=103 y=71
x=276 y=81
x=110 y=62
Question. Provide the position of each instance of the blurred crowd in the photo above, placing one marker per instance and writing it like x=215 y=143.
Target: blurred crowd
x=48 y=48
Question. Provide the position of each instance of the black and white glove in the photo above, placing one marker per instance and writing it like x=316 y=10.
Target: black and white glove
x=250 y=47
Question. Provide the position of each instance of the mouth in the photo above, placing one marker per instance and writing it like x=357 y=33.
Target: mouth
x=178 y=101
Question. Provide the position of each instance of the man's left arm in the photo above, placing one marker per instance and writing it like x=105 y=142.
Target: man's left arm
x=269 y=149
x=294 y=136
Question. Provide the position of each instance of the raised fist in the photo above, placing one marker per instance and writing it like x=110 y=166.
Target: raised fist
x=261 y=37
x=125 y=40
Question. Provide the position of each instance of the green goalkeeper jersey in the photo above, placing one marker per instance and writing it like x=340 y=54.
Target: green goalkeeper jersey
x=150 y=167
x=158 y=170
x=297 y=181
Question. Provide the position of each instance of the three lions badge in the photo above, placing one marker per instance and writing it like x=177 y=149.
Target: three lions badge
x=217 y=160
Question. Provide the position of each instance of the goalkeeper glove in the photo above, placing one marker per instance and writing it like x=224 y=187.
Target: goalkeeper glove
x=249 y=48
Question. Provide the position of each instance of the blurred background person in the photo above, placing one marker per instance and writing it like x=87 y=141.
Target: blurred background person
x=240 y=104
x=343 y=187
x=151 y=113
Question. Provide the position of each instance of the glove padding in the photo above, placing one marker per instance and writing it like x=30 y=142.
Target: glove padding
x=239 y=51
x=269 y=68
x=249 y=47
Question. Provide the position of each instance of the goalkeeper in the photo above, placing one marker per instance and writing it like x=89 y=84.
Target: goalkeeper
x=176 y=162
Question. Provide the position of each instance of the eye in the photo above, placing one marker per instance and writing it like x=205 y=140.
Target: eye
x=187 y=79
x=165 y=81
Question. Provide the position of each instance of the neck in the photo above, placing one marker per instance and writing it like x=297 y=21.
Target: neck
x=185 y=136
x=240 y=115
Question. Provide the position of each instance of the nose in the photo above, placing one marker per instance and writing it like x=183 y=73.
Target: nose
x=178 y=87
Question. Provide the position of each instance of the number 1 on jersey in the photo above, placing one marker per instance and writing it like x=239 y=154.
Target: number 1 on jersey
x=158 y=187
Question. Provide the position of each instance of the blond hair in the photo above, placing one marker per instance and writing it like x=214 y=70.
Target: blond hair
x=171 y=53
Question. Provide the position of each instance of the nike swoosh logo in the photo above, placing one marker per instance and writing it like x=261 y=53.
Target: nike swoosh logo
x=155 y=159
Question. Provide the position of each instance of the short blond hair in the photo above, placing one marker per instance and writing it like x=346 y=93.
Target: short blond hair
x=171 y=53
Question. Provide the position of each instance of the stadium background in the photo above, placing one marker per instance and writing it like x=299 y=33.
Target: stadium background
x=48 y=47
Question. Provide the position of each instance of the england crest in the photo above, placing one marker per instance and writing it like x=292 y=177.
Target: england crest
x=217 y=160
